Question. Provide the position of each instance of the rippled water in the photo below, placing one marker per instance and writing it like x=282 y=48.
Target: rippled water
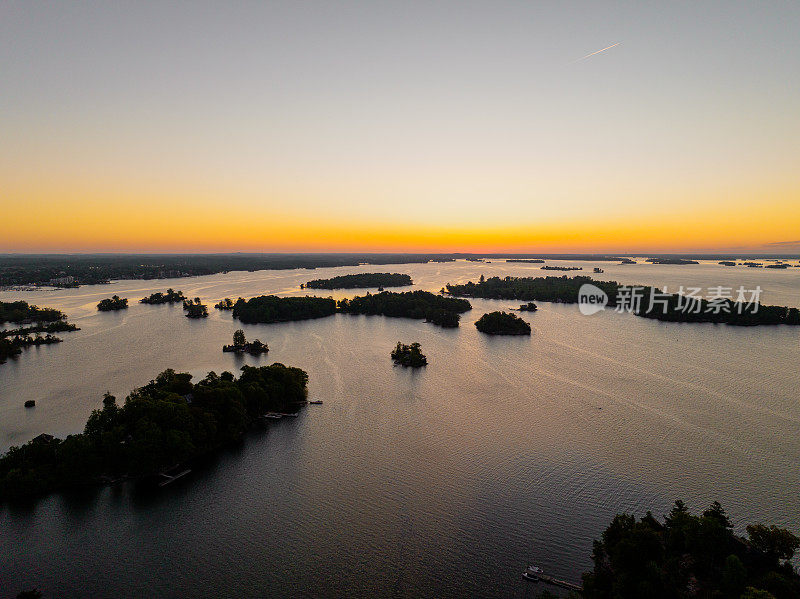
x=443 y=482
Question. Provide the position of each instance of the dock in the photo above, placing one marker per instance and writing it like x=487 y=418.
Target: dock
x=170 y=478
x=560 y=583
x=279 y=415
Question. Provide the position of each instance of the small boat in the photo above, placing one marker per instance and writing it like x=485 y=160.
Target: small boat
x=532 y=573
x=598 y=270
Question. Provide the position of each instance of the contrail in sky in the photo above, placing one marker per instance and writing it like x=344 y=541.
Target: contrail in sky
x=598 y=52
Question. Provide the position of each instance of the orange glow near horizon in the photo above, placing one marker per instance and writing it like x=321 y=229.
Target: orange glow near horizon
x=90 y=220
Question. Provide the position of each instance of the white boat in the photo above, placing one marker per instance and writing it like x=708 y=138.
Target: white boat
x=532 y=573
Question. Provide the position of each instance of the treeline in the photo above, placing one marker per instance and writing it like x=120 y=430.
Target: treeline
x=114 y=302
x=47 y=320
x=166 y=422
x=93 y=269
x=666 y=307
x=561 y=289
x=691 y=556
x=271 y=308
x=502 y=323
x=363 y=280
x=20 y=312
x=170 y=297
x=442 y=311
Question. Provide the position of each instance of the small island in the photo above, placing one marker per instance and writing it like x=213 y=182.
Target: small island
x=628 y=261
x=677 y=261
x=502 y=323
x=409 y=355
x=362 y=280
x=225 y=304
x=114 y=302
x=169 y=421
x=423 y=305
x=242 y=346
x=170 y=297
x=728 y=263
x=526 y=260
x=41 y=320
x=562 y=268
x=271 y=308
x=195 y=309
x=529 y=307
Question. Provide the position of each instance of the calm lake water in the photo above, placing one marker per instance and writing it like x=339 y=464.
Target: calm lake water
x=444 y=482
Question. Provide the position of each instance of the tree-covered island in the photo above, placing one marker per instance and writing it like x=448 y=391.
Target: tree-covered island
x=362 y=280
x=41 y=320
x=170 y=297
x=271 y=308
x=669 y=307
x=423 y=305
x=114 y=302
x=409 y=355
x=195 y=309
x=167 y=422
x=21 y=312
x=502 y=323
x=242 y=346
x=688 y=556
x=529 y=307
x=225 y=304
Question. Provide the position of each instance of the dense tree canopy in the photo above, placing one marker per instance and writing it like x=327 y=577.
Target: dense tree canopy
x=271 y=308
x=667 y=307
x=443 y=311
x=502 y=323
x=115 y=302
x=195 y=308
x=19 y=312
x=691 y=556
x=409 y=355
x=170 y=297
x=166 y=422
x=362 y=280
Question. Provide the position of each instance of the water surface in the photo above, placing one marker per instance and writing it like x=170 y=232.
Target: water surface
x=443 y=482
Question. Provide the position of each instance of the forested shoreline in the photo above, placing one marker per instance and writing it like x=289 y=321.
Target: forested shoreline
x=168 y=421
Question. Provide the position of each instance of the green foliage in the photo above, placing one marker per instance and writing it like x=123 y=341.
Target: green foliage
x=502 y=323
x=115 y=302
x=170 y=297
x=167 y=421
x=240 y=345
x=777 y=543
x=443 y=311
x=225 y=304
x=363 y=280
x=409 y=355
x=271 y=308
x=239 y=338
x=19 y=312
x=688 y=555
x=529 y=307
x=565 y=290
x=195 y=309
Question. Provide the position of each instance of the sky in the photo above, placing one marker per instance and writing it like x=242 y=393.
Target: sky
x=400 y=126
